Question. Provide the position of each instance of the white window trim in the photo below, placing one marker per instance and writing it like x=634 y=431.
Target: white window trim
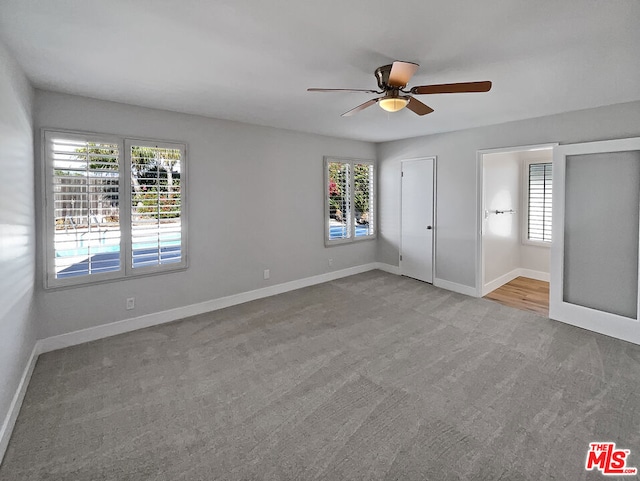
x=333 y=242
x=124 y=191
x=525 y=204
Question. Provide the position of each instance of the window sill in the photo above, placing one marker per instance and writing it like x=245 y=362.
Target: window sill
x=536 y=244
x=121 y=278
x=340 y=242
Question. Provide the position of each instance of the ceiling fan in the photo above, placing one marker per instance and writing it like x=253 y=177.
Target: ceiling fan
x=392 y=81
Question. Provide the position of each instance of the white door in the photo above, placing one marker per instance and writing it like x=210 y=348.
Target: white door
x=596 y=222
x=417 y=227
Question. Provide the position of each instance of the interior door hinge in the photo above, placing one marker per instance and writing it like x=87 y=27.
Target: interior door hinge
x=400 y=256
x=401 y=174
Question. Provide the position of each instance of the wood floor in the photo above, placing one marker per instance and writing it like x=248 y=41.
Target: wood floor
x=523 y=293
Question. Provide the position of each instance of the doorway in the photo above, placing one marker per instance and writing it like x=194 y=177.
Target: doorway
x=525 y=294
x=514 y=222
x=417 y=222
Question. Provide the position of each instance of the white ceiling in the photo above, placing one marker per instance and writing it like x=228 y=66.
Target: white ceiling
x=252 y=60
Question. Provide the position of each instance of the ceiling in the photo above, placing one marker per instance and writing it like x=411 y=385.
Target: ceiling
x=252 y=60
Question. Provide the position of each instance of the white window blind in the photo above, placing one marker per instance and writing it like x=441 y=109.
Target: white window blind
x=115 y=207
x=349 y=200
x=339 y=200
x=539 y=202
x=86 y=216
x=363 y=199
x=156 y=208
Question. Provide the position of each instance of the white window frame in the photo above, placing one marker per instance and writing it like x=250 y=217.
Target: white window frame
x=525 y=204
x=373 y=201
x=124 y=206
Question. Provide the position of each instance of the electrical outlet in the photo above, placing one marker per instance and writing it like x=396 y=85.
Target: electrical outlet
x=131 y=303
x=267 y=274
x=330 y=262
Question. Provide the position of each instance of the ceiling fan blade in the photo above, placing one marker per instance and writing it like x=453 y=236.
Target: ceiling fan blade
x=418 y=107
x=456 y=88
x=360 y=107
x=344 y=90
x=401 y=73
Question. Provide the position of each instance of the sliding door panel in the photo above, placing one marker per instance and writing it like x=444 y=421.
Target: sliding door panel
x=602 y=201
x=596 y=225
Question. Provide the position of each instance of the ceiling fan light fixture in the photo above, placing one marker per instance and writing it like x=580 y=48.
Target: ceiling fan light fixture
x=392 y=85
x=393 y=104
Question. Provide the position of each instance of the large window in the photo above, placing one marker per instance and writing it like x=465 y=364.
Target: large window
x=539 y=180
x=115 y=207
x=349 y=200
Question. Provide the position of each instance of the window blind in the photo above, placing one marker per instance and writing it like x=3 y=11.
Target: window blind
x=363 y=199
x=350 y=200
x=539 y=206
x=86 y=184
x=339 y=199
x=156 y=207
x=114 y=207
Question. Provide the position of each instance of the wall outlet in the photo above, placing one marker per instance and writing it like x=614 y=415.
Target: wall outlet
x=330 y=262
x=131 y=303
x=267 y=274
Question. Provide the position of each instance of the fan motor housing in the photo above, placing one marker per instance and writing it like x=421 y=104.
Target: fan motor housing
x=382 y=76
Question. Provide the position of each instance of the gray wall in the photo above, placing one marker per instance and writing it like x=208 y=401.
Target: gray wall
x=255 y=201
x=456 y=176
x=17 y=228
x=502 y=191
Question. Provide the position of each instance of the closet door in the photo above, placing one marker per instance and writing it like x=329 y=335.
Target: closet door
x=596 y=224
x=416 y=231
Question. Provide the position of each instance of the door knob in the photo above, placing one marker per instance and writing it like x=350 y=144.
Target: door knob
x=429 y=227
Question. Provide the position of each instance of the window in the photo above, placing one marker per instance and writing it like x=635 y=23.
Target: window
x=115 y=207
x=539 y=180
x=349 y=200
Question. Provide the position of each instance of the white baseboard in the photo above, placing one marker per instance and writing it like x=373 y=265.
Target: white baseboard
x=537 y=275
x=500 y=281
x=16 y=402
x=509 y=276
x=388 y=268
x=127 y=325
x=455 y=287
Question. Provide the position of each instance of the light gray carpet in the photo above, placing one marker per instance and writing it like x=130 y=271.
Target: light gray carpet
x=369 y=377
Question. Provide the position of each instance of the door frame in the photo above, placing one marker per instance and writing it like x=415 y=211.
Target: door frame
x=434 y=158
x=480 y=202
